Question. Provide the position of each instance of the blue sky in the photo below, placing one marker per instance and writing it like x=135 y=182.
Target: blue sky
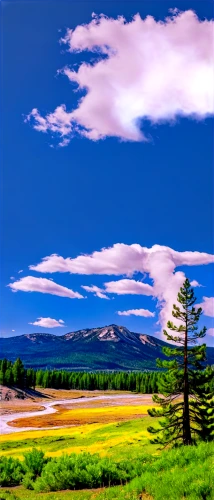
x=93 y=193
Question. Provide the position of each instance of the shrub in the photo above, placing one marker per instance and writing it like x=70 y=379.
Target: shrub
x=28 y=481
x=85 y=471
x=11 y=472
x=34 y=462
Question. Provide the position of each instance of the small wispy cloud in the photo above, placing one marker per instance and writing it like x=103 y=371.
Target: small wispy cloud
x=57 y=122
x=43 y=285
x=98 y=292
x=129 y=287
x=145 y=313
x=21 y=271
x=195 y=284
x=48 y=323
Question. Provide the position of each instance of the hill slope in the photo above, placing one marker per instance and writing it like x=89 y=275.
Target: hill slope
x=107 y=348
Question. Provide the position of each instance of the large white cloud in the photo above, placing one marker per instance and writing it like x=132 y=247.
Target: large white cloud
x=208 y=306
x=145 y=313
x=116 y=260
x=43 y=285
x=48 y=323
x=158 y=262
x=150 y=70
x=121 y=259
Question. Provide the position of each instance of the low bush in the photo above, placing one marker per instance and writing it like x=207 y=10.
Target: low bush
x=11 y=471
x=34 y=462
x=75 y=471
x=85 y=471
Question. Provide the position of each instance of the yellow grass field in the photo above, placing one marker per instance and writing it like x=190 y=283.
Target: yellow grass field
x=104 y=430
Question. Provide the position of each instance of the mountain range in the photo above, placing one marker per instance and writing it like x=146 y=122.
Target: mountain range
x=103 y=348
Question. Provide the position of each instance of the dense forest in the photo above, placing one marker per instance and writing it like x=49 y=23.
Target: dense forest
x=14 y=374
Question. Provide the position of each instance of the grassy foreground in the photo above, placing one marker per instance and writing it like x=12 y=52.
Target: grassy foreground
x=169 y=475
x=174 y=475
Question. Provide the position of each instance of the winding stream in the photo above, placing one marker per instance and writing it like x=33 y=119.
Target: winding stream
x=5 y=420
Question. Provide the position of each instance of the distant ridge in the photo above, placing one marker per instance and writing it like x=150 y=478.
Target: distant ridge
x=109 y=347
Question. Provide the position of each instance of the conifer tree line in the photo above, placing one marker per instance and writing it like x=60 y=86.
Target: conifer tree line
x=14 y=374
x=124 y=381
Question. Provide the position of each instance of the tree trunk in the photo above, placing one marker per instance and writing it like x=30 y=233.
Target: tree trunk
x=187 y=439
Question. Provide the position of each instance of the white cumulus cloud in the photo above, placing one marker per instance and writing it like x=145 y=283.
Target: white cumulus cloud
x=48 y=322
x=43 y=285
x=137 y=312
x=145 y=69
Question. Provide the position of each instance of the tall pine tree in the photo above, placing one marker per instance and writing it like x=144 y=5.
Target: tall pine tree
x=185 y=402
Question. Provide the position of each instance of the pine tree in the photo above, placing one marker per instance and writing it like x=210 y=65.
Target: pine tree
x=9 y=376
x=18 y=373
x=203 y=405
x=186 y=378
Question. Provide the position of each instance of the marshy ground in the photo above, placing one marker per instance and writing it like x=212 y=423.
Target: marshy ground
x=93 y=421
